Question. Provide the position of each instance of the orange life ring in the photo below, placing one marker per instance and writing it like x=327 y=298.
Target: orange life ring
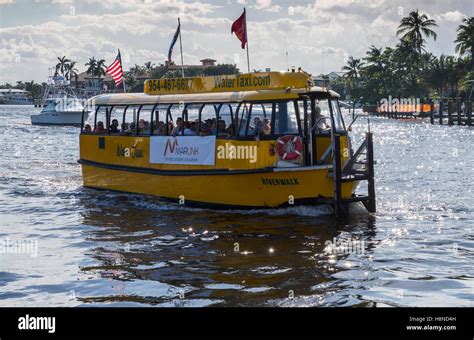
x=289 y=147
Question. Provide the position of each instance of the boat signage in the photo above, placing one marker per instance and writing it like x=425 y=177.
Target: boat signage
x=225 y=83
x=191 y=150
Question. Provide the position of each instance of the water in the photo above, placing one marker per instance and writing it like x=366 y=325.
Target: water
x=112 y=249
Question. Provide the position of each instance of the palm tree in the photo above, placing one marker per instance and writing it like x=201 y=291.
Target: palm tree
x=465 y=38
x=353 y=68
x=70 y=69
x=414 y=27
x=100 y=68
x=61 y=66
x=137 y=70
x=91 y=66
x=149 y=66
x=438 y=74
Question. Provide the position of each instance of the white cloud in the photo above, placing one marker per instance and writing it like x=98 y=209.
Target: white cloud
x=453 y=16
x=313 y=31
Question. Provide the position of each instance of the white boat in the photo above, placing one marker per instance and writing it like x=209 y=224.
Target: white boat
x=15 y=97
x=60 y=105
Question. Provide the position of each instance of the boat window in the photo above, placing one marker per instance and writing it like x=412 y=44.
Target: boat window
x=322 y=122
x=115 y=119
x=143 y=118
x=190 y=116
x=129 y=124
x=338 y=120
x=100 y=121
x=208 y=121
x=242 y=121
x=88 y=123
x=226 y=126
x=159 y=120
x=260 y=120
x=285 y=118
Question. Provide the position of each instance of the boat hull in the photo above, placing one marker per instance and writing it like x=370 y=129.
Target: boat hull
x=58 y=118
x=269 y=188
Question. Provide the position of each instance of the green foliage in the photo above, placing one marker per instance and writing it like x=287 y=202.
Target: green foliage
x=407 y=70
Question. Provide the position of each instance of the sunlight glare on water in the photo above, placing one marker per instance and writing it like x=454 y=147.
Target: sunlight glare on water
x=105 y=248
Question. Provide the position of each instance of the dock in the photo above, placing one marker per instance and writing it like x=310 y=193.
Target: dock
x=442 y=112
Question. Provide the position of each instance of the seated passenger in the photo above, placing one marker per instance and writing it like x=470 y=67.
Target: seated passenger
x=258 y=126
x=187 y=129
x=230 y=130
x=126 y=129
x=222 y=131
x=267 y=129
x=256 y=123
x=87 y=129
x=160 y=129
x=194 y=127
x=170 y=128
x=204 y=130
x=100 y=128
x=179 y=127
x=114 y=126
x=143 y=127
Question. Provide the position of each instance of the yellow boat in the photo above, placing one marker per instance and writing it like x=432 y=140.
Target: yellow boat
x=258 y=140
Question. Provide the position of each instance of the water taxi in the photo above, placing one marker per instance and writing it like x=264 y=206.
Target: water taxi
x=257 y=140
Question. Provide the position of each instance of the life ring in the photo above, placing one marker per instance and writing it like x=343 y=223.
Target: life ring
x=289 y=147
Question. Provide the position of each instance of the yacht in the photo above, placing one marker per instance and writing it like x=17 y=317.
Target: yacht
x=15 y=97
x=61 y=106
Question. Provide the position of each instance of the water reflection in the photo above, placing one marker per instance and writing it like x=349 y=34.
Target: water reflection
x=227 y=258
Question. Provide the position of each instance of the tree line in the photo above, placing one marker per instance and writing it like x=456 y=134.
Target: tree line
x=408 y=70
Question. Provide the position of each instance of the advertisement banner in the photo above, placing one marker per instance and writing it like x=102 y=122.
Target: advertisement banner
x=190 y=150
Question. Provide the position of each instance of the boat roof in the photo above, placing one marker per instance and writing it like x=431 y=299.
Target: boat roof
x=232 y=88
x=214 y=97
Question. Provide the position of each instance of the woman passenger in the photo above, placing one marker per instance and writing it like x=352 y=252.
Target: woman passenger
x=87 y=129
x=100 y=128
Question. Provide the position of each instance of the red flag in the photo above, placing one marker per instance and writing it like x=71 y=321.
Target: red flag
x=239 y=27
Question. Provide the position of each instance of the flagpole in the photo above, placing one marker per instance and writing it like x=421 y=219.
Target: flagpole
x=181 y=49
x=123 y=78
x=246 y=34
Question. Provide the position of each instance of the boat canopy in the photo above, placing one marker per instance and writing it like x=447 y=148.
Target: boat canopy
x=249 y=87
x=215 y=97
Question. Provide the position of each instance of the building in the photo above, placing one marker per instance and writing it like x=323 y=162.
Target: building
x=87 y=86
x=172 y=66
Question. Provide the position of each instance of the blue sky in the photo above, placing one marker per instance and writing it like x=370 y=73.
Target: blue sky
x=320 y=35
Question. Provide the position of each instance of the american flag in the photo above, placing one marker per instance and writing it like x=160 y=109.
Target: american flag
x=115 y=70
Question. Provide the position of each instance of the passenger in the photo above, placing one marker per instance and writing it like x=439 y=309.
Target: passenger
x=187 y=129
x=100 y=128
x=87 y=129
x=230 y=130
x=258 y=128
x=267 y=129
x=194 y=127
x=114 y=126
x=179 y=126
x=141 y=125
x=160 y=129
x=257 y=122
x=204 y=130
x=170 y=128
x=126 y=130
x=221 y=126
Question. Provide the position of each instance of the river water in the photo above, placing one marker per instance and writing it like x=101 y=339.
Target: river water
x=65 y=245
